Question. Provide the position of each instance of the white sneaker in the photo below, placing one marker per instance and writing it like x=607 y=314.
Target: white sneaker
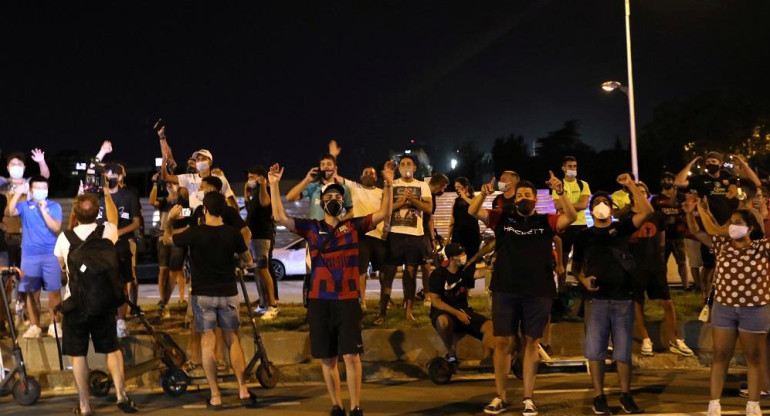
x=752 y=409
x=34 y=331
x=259 y=311
x=51 y=332
x=647 y=347
x=679 y=347
x=427 y=303
x=715 y=409
x=529 y=408
x=271 y=313
x=122 y=330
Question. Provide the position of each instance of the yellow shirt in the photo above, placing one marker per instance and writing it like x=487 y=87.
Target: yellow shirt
x=573 y=192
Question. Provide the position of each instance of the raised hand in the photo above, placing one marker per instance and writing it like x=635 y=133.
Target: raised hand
x=389 y=171
x=261 y=180
x=334 y=149
x=554 y=183
x=489 y=187
x=625 y=179
x=175 y=212
x=162 y=132
x=21 y=189
x=106 y=147
x=275 y=174
x=38 y=155
x=311 y=174
x=688 y=206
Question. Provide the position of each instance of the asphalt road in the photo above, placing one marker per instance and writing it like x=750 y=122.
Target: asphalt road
x=672 y=393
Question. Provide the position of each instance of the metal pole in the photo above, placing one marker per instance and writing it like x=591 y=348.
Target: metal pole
x=631 y=110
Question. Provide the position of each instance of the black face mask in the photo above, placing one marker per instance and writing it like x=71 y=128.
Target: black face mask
x=439 y=193
x=712 y=168
x=525 y=206
x=666 y=185
x=333 y=207
x=112 y=182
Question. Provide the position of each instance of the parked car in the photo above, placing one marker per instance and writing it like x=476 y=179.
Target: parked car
x=289 y=260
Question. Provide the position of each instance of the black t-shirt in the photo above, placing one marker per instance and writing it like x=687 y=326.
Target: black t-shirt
x=716 y=191
x=128 y=208
x=524 y=262
x=463 y=222
x=673 y=215
x=501 y=201
x=645 y=245
x=259 y=218
x=212 y=251
x=426 y=217
x=3 y=204
x=165 y=204
x=452 y=288
x=594 y=250
x=230 y=217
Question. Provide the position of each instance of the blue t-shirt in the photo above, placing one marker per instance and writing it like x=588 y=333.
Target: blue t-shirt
x=37 y=239
x=313 y=191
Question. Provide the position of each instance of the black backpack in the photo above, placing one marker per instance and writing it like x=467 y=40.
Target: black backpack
x=95 y=285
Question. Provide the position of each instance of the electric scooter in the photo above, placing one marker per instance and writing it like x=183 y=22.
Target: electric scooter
x=15 y=380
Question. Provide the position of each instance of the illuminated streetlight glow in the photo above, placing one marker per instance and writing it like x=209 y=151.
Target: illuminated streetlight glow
x=453 y=163
x=610 y=86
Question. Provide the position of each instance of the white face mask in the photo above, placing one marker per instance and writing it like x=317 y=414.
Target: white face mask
x=16 y=171
x=601 y=211
x=202 y=166
x=462 y=260
x=252 y=184
x=39 y=194
x=405 y=173
x=502 y=186
x=200 y=195
x=737 y=232
x=571 y=173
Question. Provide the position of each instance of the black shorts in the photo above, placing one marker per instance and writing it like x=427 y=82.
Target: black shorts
x=511 y=313
x=709 y=259
x=335 y=327
x=655 y=283
x=371 y=249
x=125 y=260
x=405 y=249
x=171 y=257
x=473 y=329
x=676 y=246
x=77 y=328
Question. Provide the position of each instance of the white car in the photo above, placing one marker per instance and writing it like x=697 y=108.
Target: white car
x=289 y=260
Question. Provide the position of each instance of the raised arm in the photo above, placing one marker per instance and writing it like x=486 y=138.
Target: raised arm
x=165 y=152
x=110 y=209
x=264 y=196
x=279 y=214
x=10 y=209
x=154 y=192
x=52 y=223
x=569 y=215
x=474 y=209
x=748 y=172
x=642 y=207
x=710 y=224
x=295 y=194
x=681 y=180
x=386 y=205
x=39 y=157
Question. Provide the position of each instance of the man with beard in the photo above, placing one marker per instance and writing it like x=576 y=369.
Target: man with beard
x=522 y=283
x=310 y=187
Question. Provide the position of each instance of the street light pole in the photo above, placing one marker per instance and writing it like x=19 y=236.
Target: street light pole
x=631 y=109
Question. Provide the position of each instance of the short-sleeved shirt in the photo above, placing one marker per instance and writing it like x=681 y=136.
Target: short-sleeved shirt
x=574 y=193
x=594 y=250
x=230 y=216
x=366 y=201
x=12 y=223
x=408 y=219
x=645 y=244
x=673 y=215
x=333 y=256
x=453 y=288
x=524 y=246
x=313 y=191
x=38 y=238
x=259 y=218
x=212 y=253
x=192 y=181
x=128 y=209
x=621 y=198
x=716 y=190
x=741 y=275
x=501 y=201
x=62 y=247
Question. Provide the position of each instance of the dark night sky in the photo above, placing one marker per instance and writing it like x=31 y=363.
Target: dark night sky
x=272 y=81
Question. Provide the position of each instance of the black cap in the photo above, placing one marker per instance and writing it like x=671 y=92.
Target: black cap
x=453 y=249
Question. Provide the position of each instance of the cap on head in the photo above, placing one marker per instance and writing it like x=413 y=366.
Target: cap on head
x=203 y=152
x=714 y=155
x=333 y=187
x=453 y=249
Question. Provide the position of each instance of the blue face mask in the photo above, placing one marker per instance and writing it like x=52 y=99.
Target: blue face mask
x=39 y=194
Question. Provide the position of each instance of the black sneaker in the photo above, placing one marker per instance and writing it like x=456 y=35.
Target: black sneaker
x=337 y=411
x=600 y=405
x=357 y=412
x=628 y=405
x=497 y=406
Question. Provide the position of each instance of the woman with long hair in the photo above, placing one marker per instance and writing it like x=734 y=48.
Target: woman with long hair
x=463 y=228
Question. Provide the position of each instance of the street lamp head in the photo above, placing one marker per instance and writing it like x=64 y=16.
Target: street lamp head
x=610 y=86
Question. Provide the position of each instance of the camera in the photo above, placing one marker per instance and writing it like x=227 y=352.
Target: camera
x=91 y=174
x=186 y=212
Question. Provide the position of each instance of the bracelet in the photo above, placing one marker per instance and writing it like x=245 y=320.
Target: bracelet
x=560 y=193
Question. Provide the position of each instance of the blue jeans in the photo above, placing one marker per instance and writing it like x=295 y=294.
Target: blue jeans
x=210 y=311
x=615 y=317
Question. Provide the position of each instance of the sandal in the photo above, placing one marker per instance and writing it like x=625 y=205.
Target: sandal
x=379 y=321
x=211 y=406
x=250 y=401
x=128 y=406
x=77 y=411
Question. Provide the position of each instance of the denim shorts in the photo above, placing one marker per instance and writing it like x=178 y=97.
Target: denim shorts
x=610 y=317
x=208 y=311
x=40 y=272
x=751 y=319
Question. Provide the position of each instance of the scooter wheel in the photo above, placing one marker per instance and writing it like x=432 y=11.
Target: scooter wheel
x=439 y=371
x=174 y=382
x=99 y=383
x=26 y=394
x=265 y=380
x=517 y=368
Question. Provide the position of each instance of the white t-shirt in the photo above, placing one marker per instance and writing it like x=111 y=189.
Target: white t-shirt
x=408 y=219
x=62 y=247
x=365 y=202
x=192 y=181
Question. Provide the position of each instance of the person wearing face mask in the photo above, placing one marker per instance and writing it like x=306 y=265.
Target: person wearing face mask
x=463 y=228
x=256 y=196
x=669 y=203
x=507 y=185
x=578 y=192
x=310 y=187
x=741 y=299
x=522 y=284
x=605 y=267
x=334 y=310
x=449 y=311
x=40 y=222
x=406 y=244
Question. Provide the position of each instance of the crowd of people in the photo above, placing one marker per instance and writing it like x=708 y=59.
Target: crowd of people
x=715 y=221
